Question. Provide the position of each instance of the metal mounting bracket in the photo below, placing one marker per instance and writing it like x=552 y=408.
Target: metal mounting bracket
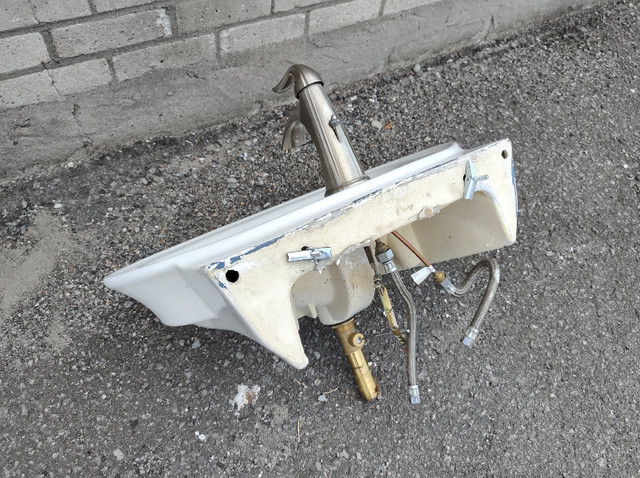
x=310 y=254
x=471 y=180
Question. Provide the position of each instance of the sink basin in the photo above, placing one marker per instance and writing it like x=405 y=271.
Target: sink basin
x=240 y=278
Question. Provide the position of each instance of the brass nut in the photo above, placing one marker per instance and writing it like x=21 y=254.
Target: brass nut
x=439 y=277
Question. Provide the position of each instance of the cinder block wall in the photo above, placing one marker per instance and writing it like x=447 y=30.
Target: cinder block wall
x=80 y=75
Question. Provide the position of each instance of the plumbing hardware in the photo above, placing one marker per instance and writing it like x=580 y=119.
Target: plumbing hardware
x=310 y=254
x=384 y=254
x=471 y=180
x=414 y=392
x=352 y=342
x=340 y=167
x=443 y=282
x=422 y=275
x=251 y=277
x=389 y=313
x=492 y=285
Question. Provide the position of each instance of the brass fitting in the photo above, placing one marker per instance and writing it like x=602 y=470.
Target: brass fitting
x=439 y=277
x=441 y=281
x=352 y=342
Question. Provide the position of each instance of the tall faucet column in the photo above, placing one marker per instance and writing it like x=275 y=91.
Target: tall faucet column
x=340 y=167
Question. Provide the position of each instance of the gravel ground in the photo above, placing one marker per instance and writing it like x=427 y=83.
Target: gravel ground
x=92 y=384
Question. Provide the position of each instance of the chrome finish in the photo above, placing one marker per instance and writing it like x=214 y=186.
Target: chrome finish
x=340 y=167
x=310 y=254
x=471 y=180
x=470 y=336
x=414 y=394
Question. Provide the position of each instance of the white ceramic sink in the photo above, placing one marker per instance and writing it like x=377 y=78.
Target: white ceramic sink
x=239 y=277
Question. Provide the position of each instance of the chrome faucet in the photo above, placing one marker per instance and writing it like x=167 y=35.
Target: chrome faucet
x=340 y=167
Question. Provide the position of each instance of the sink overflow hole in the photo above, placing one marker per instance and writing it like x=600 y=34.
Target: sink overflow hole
x=232 y=275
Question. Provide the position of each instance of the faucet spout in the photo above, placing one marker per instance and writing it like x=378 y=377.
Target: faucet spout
x=340 y=167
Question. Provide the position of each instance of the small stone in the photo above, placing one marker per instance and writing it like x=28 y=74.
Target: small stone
x=239 y=355
x=70 y=164
x=195 y=344
x=144 y=181
x=232 y=180
x=118 y=454
x=322 y=398
x=58 y=205
x=417 y=68
x=376 y=124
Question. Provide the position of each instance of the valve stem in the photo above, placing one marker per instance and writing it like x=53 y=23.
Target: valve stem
x=352 y=342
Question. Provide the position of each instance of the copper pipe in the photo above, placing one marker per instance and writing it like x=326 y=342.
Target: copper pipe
x=411 y=248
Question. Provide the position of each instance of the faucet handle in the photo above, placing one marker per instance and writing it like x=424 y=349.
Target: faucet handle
x=294 y=133
x=298 y=76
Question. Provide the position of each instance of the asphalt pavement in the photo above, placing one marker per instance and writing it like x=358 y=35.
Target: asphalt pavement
x=92 y=384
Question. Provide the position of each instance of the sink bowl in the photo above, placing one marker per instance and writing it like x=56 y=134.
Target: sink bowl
x=240 y=278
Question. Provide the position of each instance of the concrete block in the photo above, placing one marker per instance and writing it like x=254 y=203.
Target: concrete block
x=283 y=5
x=27 y=90
x=23 y=51
x=166 y=56
x=15 y=14
x=111 y=33
x=395 y=6
x=342 y=15
x=54 y=10
x=258 y=34
x=108 y=5
x=36 y=136
x=80 y=77
x=198 y=15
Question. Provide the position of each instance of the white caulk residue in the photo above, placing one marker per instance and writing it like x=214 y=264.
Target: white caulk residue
x=164 y=21
x=245 y=396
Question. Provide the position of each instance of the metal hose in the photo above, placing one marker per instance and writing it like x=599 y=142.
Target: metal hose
x=494 y=278
x=414 y=392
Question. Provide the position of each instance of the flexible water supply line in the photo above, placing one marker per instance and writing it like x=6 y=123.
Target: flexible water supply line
x=414 y=391
x=494 y=278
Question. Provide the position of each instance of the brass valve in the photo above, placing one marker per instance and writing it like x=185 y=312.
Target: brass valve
x=352 y=342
